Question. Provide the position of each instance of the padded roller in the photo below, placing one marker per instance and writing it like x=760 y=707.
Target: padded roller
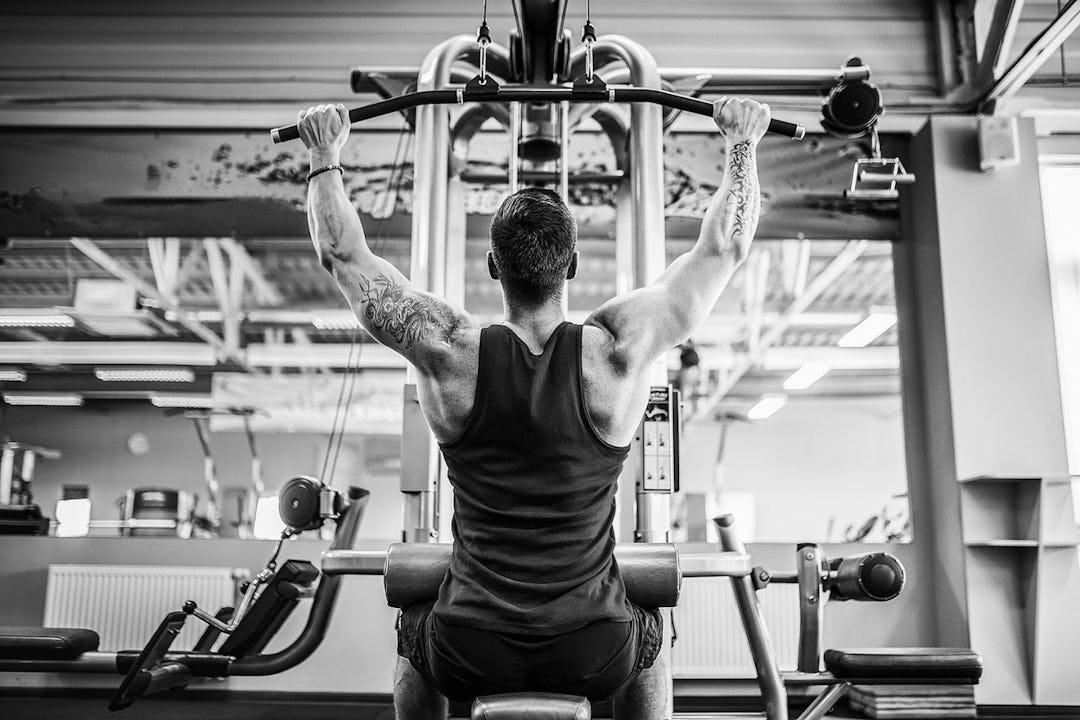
x=531 y=706
x=876 y=577
x=414 y=572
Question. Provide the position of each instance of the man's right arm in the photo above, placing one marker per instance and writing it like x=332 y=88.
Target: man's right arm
x=646 y=322
x=425 y=329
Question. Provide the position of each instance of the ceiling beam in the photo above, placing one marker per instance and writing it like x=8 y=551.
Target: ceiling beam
x=1036 y=54
x=184 y=318
x=108 y=353
x=828 y=275
x=165 y=262
x=266 y=293
x=996 y=41
x=377 y=357
x=228 y=286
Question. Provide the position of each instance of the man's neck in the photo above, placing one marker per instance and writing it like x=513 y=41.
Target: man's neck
x=534 y=321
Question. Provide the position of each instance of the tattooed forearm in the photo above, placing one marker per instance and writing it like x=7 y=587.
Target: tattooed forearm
x=743 y=200
x=402 y=315
x=389 y=308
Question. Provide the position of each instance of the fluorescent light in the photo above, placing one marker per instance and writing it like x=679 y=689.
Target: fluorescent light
x=36 y=321
x=144 y=374
x=766 y=406
x=337 y=321
x=806 y=376
x=10 y=374
x=57 y=399
x=868 y=330
x=182 y=401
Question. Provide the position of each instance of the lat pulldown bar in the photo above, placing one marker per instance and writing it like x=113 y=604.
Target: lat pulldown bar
x=582 y=92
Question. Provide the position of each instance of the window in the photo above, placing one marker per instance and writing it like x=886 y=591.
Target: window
x=1060 y=192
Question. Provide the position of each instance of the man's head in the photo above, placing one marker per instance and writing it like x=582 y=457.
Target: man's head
x=532 y=246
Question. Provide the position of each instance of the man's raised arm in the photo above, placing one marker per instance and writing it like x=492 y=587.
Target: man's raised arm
x=646 y=322
x=422 y=327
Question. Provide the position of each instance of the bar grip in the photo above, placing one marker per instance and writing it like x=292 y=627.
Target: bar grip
x=287 y=133
x=787 y=129
x=470 y=93
x=700 y=107
x=399 y=103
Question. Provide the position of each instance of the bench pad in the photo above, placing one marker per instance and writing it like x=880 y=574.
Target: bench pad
x=959 y=663
x=38 y=643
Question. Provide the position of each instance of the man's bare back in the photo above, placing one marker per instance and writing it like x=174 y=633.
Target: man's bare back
x=615 y=401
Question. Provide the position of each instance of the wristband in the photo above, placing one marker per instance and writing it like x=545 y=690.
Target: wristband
x=328 y=168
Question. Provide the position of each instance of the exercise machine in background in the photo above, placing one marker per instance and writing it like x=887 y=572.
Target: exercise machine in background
x=241 y=633
x=19 y=515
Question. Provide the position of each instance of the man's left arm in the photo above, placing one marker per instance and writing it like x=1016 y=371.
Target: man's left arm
x=422 y=327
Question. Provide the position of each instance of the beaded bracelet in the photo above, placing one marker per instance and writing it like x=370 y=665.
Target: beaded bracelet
x=321 y=170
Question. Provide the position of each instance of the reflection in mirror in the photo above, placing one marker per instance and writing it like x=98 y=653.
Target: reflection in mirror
x=791 y=390
x=792 y=400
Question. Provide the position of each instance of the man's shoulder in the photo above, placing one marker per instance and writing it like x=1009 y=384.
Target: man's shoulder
x=602 y=342
x=601 y=350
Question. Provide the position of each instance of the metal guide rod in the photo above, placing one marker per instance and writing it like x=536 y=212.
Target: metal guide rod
x=564 y=146
x=465 y=94
x=515 y=137
x=421 y=462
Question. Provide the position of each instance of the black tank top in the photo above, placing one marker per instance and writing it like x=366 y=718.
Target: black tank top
x=534 y=496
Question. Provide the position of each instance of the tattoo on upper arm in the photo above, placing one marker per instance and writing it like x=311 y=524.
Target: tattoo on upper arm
x=404 y=315
x=743 y=199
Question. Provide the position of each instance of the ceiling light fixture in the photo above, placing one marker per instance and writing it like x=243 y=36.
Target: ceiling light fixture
x=868 y=330
x=10 y=374
x=17 y=320
x=135 y=374
x=766 y=407
x=50 y=399
x=182 y=401
x=806 y=376
x=342 y=321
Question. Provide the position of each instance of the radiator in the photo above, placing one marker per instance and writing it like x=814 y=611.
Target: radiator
x=711 y=640
x=124 y=604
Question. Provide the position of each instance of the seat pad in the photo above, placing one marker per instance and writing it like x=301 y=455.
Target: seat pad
x=38 y=643
x=959 y=663
x=531 y=706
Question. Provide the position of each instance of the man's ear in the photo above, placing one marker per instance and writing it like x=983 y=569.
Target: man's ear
x=493 y=271
x=571 y=271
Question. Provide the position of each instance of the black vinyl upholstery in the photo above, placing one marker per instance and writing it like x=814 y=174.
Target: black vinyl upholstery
x=531 y=706
x=273 y=606
x=414 y=572
x=38 y=643
x=959 y=663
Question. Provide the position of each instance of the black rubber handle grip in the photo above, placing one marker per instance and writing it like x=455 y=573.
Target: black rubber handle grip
x=698 y=107
x=554 y=94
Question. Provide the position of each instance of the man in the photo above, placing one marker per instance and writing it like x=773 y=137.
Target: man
x=534 y=417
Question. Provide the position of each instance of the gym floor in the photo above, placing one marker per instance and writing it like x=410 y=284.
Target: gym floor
x=91 y=706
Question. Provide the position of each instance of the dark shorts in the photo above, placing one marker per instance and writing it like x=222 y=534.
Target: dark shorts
x=594 y=661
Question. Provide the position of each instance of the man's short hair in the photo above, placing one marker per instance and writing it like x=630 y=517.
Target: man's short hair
x=532 y=239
